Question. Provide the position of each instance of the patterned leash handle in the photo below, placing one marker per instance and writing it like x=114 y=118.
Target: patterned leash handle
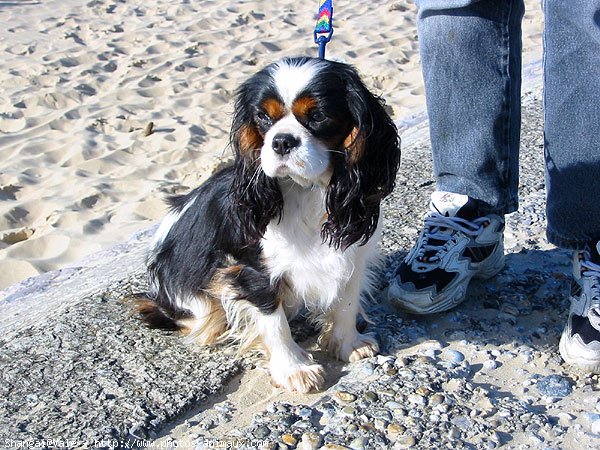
x=324 y=27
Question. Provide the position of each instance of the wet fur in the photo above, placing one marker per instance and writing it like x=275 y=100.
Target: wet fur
x=244 y=252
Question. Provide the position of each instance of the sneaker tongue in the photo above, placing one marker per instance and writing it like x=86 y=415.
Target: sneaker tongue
x=595 y=253
x=453 y=205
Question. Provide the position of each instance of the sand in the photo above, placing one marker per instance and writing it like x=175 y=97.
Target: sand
x=82 y=80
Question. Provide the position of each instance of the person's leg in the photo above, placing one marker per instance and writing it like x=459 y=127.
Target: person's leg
x=572 y=151
x=471 y=58
x=572 y=121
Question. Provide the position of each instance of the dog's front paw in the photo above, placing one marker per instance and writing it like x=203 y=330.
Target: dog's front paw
x=352 y=349
x=364 y=346
x=299 y=378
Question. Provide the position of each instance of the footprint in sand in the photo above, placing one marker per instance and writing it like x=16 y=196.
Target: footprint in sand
x=21 y=49
x=44 y=247
x=74 y=61
x=160 y=48
x=8 y=192
x=12 y=122
x=29 y=107
x=154 y=92
x=94 y=226
x=85 y=89
x=87 y=202
x=110 y=66
x=57 y=100
x=46 y=80
x=14 y=217
x=14 y=236
x=148 y=81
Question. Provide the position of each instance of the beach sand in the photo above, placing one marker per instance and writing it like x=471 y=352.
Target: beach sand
x=82 y=80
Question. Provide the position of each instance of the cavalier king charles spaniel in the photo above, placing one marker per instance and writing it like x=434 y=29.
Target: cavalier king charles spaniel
x=290 y=227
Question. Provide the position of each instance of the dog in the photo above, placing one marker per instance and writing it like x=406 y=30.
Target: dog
x=290 y=227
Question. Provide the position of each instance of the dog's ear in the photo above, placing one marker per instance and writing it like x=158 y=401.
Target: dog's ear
x=257 y=198
x=366 y=172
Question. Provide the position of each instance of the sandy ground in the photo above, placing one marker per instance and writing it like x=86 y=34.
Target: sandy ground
x=81 y=81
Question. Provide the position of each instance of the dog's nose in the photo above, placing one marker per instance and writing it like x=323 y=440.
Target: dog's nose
x=283 y=143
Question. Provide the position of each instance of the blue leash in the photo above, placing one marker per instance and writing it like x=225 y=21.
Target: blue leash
x=324 y=27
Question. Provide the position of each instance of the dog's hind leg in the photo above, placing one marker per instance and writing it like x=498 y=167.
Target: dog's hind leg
x=256 y=317
x=208 y=323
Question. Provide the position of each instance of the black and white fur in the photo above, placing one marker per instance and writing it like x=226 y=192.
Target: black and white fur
x=292 y=226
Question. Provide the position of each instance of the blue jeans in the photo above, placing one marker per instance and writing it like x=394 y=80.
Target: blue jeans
x=471 y=58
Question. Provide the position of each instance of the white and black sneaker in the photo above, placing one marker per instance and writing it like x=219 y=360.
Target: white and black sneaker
x=455 y=245
x=580 y=340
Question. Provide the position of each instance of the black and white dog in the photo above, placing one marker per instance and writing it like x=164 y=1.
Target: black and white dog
x=292 y=226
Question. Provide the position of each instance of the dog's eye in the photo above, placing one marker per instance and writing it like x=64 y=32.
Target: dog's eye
x=317 y=117
x=263 y=119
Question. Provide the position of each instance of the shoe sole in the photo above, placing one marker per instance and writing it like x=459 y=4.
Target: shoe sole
x=448 y=300
x=578 y=361
x=441 y=305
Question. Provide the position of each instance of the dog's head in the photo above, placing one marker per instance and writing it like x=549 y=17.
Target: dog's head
x=315 y=122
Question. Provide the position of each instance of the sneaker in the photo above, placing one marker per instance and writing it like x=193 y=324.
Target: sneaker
x=580 y=340
x=454 y=246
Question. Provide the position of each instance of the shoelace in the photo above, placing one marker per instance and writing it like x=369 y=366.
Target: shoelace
x=441 y=229
x=592 y=270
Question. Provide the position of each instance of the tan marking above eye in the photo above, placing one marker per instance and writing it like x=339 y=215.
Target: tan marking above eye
x=274 y=108
x=303 y=105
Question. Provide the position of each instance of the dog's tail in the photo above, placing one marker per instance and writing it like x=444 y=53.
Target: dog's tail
x=155 y=315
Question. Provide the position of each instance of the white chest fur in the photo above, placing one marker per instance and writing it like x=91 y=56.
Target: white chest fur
x=317 y=273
